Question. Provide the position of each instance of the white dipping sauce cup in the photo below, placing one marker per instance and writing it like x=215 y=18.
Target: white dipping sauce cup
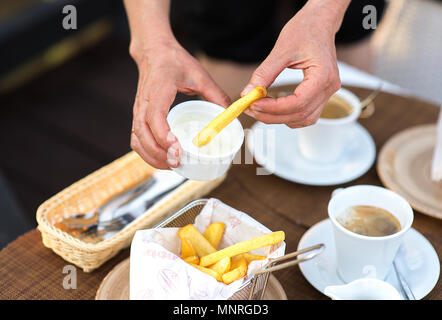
x=361 y=256
x=326 y=140
x=195 y=165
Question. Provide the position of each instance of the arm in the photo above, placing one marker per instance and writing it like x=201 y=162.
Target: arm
x=165 y=68
x=306 y=42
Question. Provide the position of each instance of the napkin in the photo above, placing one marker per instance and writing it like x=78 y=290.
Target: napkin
x=436 y=169
x=158 y=272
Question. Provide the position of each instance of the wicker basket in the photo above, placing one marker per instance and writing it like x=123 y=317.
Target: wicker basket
x=94 y=190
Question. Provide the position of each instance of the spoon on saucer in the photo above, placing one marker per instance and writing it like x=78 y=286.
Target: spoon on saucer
x=367 y=105
x=403 y=284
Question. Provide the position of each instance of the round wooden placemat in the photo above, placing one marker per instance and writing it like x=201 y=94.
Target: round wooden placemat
x=404 y=166
x=115 y=286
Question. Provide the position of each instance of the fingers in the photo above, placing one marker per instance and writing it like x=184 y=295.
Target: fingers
x=317 y=85
x=318 y=82
x=296 y=120
x=308 y=121
x=152 y=138
x=304 y=107
x=157 y=104
x=266 y=73
x=145 y=155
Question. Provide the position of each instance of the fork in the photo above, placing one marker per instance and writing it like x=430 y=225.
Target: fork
x=83 y=221
x=116 y=224
x=103 y=227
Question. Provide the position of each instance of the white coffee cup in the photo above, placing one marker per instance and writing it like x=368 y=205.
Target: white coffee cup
x=326 y=140
x=360 y=256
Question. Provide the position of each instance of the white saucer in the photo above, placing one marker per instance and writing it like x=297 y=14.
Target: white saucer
x=280 y=141
x=416 y=259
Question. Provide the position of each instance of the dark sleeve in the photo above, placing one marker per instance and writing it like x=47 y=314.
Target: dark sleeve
x=352 y=30
x=238 y=30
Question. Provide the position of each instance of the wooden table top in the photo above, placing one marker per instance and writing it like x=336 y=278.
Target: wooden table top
x=28 y=270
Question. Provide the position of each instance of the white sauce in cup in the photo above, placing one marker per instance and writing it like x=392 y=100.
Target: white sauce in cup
x=187 y=126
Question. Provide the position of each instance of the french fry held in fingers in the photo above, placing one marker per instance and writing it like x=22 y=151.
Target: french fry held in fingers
x=208 y=271
x=187 y=249
x=201 y=245
x=192 y=259
x=214 y=233
x=227 y=116
x=252 y=257
x=242 y=247
x=239 y=270
x=221 y=266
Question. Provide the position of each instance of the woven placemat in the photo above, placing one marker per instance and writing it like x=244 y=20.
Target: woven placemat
x=29 y=270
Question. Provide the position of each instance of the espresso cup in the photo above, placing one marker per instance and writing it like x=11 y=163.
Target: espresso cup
x=326 y=140
x=360 y=256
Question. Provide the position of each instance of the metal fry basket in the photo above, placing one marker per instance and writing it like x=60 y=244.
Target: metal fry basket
x=254 y=287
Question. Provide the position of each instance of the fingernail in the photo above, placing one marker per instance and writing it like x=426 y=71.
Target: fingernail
x=172 y=154
x=247 y=89
x=171 y=137
x=176 y=149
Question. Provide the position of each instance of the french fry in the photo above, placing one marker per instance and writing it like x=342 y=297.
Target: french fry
x=252 y=257
x=242 y=247
x=236 y=261
x=201 y=245
x=187 y=249
x=221 y=266
x=238 y=272
x=214 y=233
x=227 y=116
x=210 y=272
x=192 y=259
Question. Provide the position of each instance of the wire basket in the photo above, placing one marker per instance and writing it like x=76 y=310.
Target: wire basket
x=254 y=287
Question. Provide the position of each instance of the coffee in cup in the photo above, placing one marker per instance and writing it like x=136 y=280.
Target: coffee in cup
x=369 y=221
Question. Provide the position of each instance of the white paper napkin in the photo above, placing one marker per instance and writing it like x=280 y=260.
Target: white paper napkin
x=158 y=272
x=436 y=169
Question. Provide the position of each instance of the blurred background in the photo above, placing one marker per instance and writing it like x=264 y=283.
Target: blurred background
x=66 y=95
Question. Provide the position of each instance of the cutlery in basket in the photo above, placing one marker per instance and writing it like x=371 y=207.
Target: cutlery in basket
x=124 y=208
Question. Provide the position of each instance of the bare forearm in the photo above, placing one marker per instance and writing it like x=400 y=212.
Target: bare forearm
x=149 y=23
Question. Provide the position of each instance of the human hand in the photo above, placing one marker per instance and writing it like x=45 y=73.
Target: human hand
x=306 y=42
x=164 y=70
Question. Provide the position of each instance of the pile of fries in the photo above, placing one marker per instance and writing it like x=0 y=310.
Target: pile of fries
x=226 y=265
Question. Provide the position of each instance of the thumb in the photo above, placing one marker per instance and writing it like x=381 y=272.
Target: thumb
x=265 y=74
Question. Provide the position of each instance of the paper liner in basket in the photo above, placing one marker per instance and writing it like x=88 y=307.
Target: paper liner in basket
x=158 y=272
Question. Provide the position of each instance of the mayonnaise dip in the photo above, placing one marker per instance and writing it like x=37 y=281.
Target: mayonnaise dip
x=186 y=126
